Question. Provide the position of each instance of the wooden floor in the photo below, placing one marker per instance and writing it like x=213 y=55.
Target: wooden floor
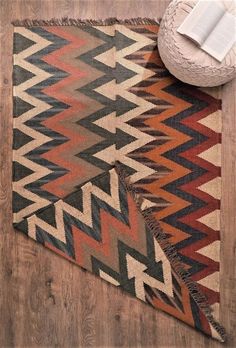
x=47 y=302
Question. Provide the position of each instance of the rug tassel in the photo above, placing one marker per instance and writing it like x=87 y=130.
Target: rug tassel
x=83 y=22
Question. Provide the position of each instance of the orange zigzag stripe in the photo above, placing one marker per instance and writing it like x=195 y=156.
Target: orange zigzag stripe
x=176 y=139
x=106 y=247
x=56 y=155
x=191 y=121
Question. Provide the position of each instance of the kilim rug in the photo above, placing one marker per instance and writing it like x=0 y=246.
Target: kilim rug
x=116 y=164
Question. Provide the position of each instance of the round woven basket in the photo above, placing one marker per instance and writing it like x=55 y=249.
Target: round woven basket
x=183 y=58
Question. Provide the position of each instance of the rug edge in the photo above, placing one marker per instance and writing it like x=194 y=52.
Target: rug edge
x=66 y=21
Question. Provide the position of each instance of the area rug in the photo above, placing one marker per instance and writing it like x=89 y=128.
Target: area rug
x=116 y=164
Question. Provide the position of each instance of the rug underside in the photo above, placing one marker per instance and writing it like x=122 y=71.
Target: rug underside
x=116 y=164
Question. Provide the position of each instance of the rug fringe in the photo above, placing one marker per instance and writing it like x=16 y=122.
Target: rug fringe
x=171 y=253
x=82 y=22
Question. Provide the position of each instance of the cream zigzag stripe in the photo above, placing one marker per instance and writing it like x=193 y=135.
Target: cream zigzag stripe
x=112 y=123
x=108 y=278
x=85 y=216
x=136 y=270
x=111 y=90
x=19 y=123
x=143 y=105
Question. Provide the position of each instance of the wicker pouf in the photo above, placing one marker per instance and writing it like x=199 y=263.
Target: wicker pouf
x=183 y=58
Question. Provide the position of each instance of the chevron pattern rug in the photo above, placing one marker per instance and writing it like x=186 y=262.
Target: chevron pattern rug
x=116 y=164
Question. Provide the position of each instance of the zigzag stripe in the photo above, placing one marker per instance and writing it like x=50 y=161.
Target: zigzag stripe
x=90 y=90
x=109 y=88
x=198 y=265
x=58 y=91
x=18 y=155
x=38 y=122
x=112 y=230
x=63 y=210
x=196 y=171
x=27 y=123
x=122 y=90
x=173 y=138
x=207 y=202
x=147 y=130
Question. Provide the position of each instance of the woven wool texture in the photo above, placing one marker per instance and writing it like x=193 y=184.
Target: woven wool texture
x=116 y=164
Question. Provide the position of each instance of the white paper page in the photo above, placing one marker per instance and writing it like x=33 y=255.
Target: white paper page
x=202 y=20
x=222 y=38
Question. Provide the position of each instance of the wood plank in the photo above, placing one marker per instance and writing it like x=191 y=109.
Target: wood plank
x=47 y=302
